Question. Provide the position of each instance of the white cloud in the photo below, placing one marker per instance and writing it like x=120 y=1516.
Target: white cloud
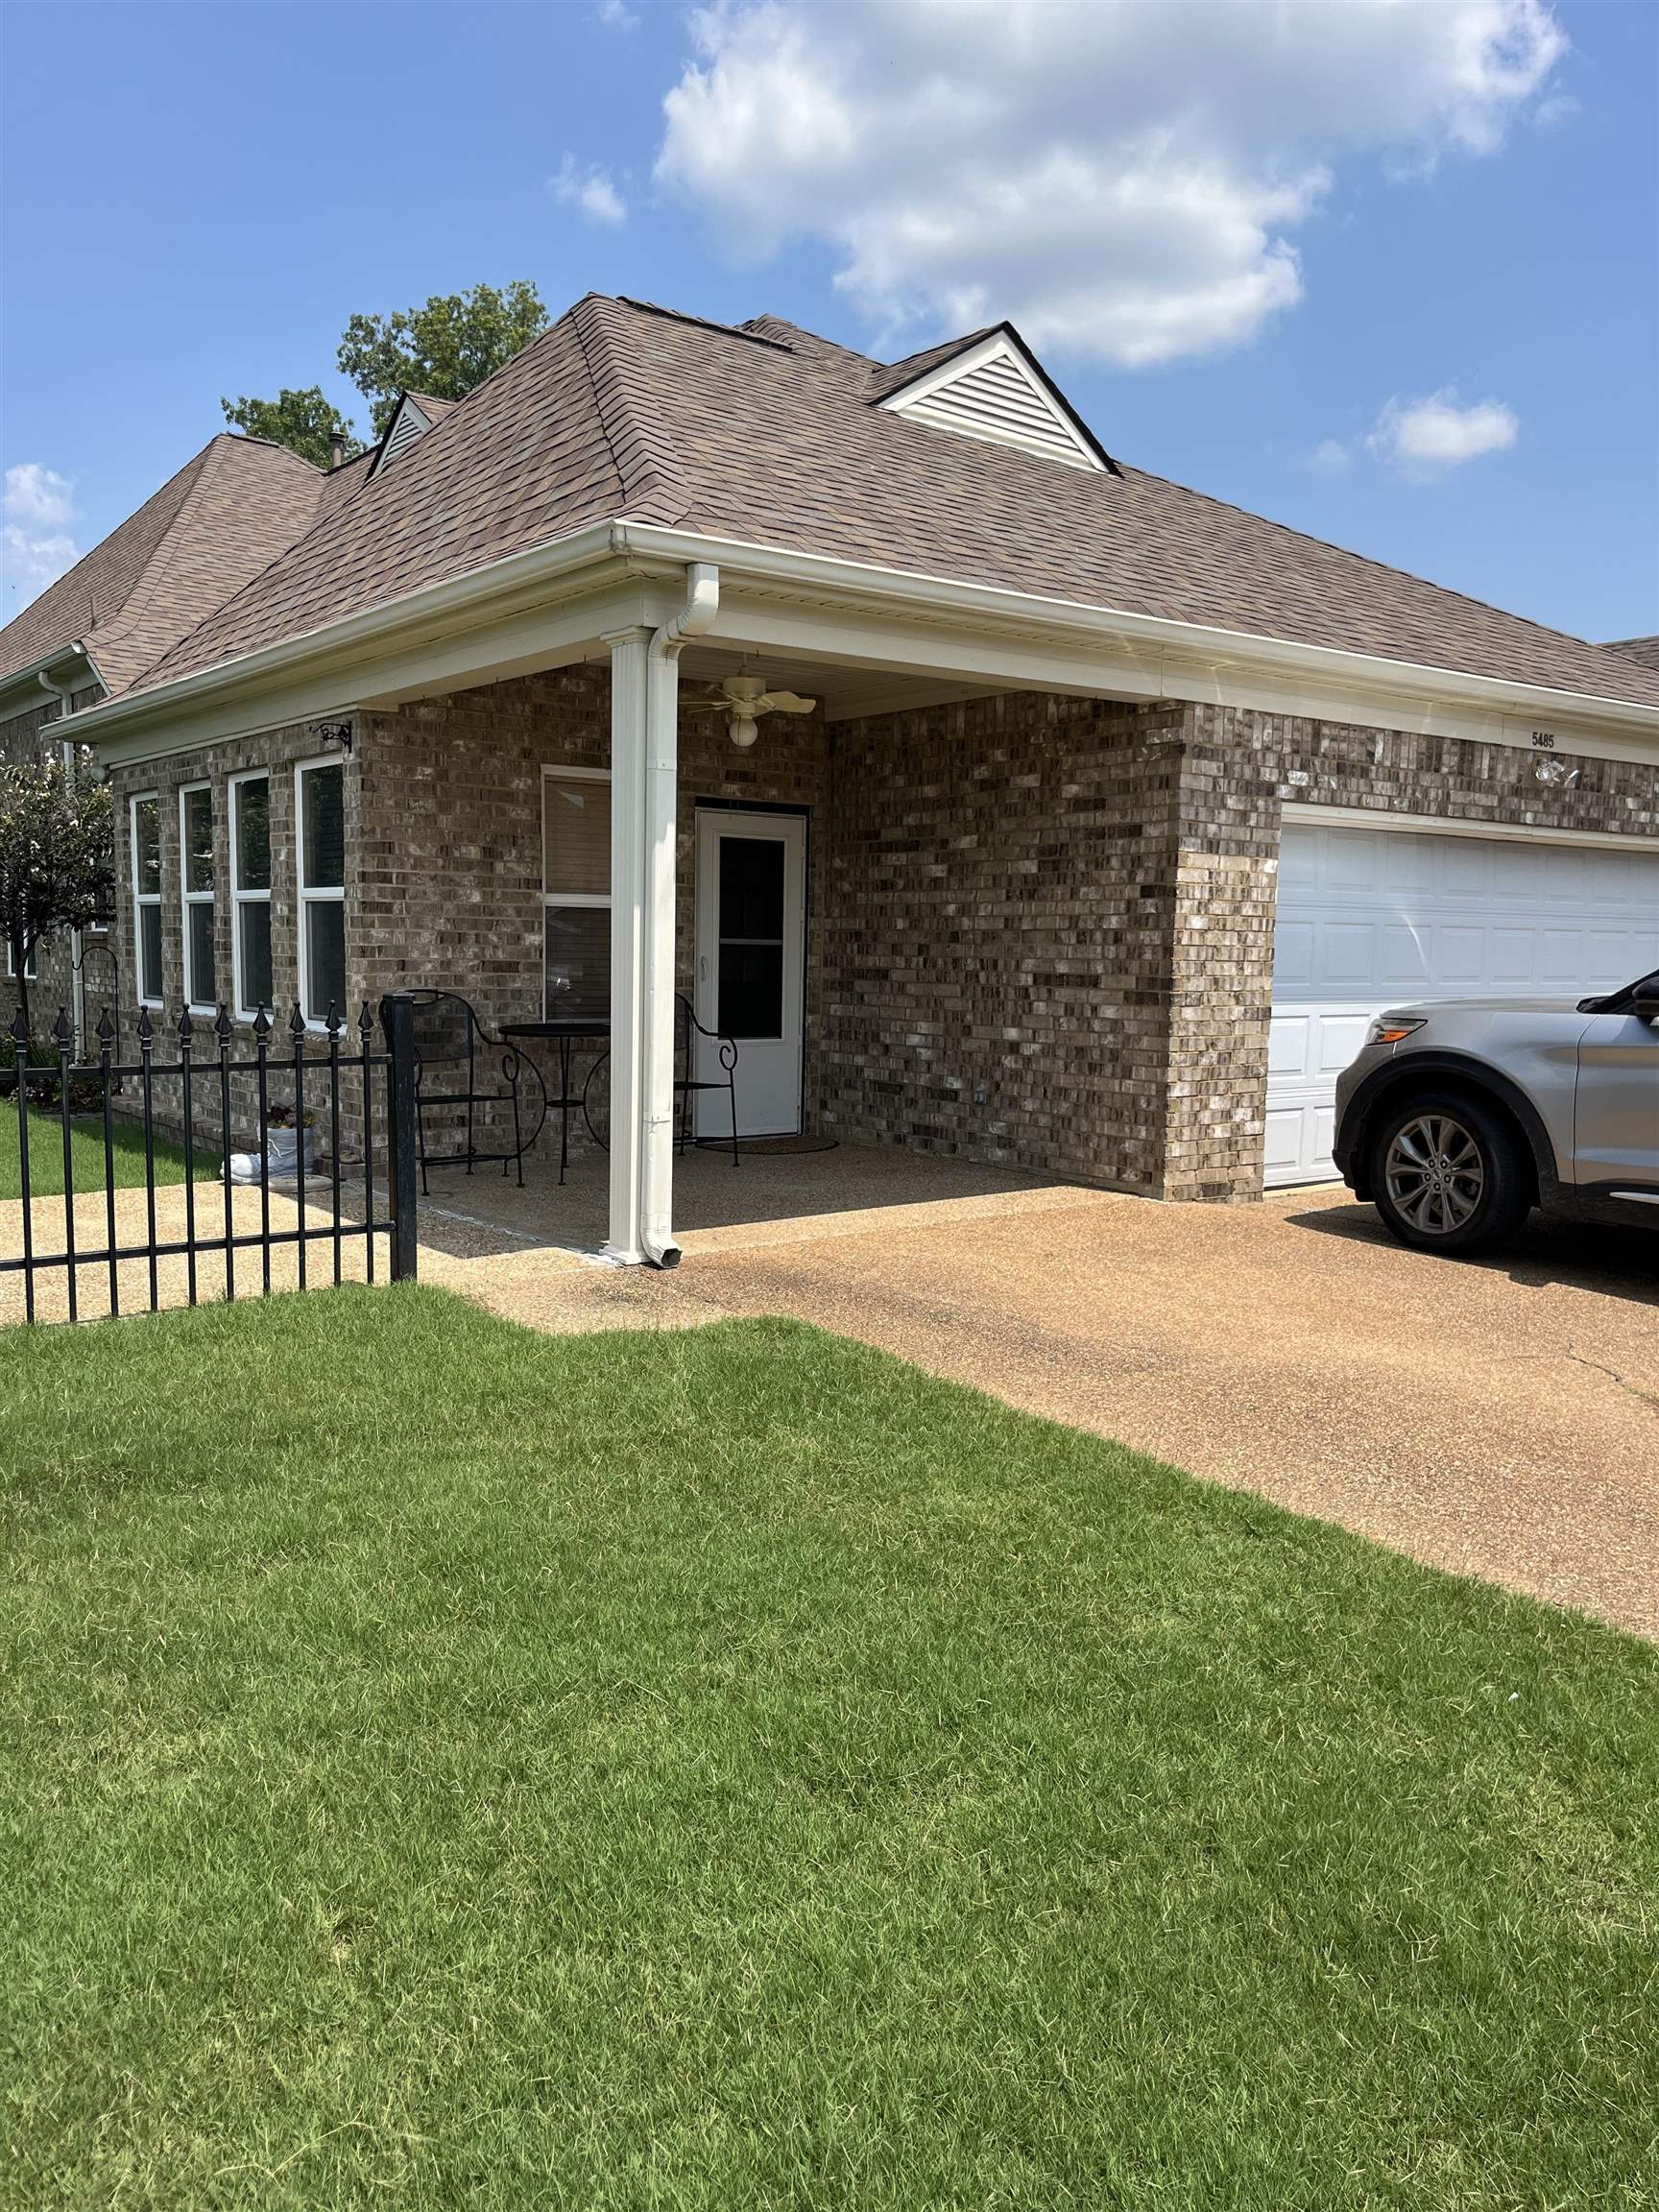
x=1425 y=438
x=1121 y=177
x=1330 y=457
x=34 y=494
x=35 y=546
x=591 y=190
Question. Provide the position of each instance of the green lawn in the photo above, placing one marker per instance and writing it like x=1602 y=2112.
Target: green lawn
x=86 y=1154
x=447 y=1766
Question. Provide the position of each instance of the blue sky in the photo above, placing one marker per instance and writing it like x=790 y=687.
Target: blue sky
x=1388 y=274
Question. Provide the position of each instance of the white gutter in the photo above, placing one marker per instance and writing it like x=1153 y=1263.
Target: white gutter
x=911 y=590
x=549 y=563
x=916 y=590
x=661 y=836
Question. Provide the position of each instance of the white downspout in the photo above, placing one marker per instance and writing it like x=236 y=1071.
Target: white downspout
x=662 y=842
x=64 y=693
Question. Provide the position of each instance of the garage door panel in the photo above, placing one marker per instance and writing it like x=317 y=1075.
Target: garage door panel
x=1369 y=918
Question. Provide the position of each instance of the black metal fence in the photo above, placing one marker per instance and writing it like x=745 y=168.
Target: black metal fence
x=200 y=1094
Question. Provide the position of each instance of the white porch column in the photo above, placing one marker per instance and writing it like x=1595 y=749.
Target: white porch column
x=628 y=652
x=661 y=811
x=644 y=828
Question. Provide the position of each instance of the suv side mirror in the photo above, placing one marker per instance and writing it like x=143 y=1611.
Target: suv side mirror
x=1644 y=999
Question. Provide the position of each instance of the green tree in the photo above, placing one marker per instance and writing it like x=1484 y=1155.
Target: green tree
x=57 y=855
x=304 y=421
x=444 y=347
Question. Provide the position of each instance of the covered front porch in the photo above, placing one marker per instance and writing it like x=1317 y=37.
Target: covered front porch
x=931 y=902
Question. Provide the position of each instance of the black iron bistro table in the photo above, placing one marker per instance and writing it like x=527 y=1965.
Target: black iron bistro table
x=562 y=1031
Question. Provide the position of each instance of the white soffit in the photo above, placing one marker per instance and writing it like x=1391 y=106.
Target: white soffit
x=995 y=392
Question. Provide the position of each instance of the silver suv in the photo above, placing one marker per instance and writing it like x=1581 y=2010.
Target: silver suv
x=1461 y=1114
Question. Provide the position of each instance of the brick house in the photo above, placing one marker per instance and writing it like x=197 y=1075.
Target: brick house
x=1115 y=814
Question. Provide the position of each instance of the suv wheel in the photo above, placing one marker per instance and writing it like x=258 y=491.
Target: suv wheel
x=1447 y=1174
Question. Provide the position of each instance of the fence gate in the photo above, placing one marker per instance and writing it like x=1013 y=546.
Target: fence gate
x=208 y=1166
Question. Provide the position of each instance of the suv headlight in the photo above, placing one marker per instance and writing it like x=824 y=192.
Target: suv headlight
x=1390 y=1029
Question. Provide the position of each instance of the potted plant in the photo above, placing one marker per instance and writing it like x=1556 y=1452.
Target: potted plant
x=282 y=1136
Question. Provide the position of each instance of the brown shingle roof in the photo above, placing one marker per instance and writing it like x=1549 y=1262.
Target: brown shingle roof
x=622 y=410
x=1645 y=651
x=523 y=458
x=212 y=527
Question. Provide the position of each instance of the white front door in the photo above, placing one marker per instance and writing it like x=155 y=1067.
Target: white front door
x=751 y=966
x=1370 y=918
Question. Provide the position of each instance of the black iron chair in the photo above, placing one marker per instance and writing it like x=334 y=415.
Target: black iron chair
x=596 y=1091
x=462 y=1070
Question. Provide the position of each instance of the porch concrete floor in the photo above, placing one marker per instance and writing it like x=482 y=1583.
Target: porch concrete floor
x=1498 y=1418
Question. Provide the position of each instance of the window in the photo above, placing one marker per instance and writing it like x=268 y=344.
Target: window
x=147 y=895
x=321 y=786
x=31 y=966
x=251 y=892
x=196 y=870
x=576 y=891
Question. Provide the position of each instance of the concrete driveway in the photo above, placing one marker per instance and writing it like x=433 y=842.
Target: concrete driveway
x=1498 y=1418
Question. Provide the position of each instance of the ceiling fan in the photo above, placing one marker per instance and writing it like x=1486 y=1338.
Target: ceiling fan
x=743 y=699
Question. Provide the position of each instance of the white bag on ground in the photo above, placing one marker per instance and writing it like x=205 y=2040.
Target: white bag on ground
x=281 y=1151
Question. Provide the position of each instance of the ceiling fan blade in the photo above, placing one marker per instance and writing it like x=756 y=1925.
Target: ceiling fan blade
x=782 y=702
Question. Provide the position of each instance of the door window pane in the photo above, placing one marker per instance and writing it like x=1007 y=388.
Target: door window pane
x=198 y=840
x=203 y=987
x=752 y=887
x=149 y=952
x=578 y=955
x=576 y=837
x=147 y=844
x=325 y=807
x=253 y=835
x=254 y=920
x=324 y=959
x=751 y=991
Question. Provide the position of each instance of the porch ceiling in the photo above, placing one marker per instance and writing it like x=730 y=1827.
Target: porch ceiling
x=844 y=691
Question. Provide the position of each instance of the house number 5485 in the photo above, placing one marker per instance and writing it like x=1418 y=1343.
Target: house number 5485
x=1545 y=740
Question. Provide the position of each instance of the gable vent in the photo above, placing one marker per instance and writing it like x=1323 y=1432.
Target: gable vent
x=407 y=425
x=996 y=393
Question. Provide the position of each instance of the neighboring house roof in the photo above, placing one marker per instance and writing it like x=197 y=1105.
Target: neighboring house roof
x=224 y=517
x=1645 y=651
x=771 y=436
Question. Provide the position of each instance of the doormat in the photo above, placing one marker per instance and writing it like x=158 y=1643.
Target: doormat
x=770 y=1147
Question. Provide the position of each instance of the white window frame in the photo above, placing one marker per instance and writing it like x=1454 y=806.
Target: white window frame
x=240 y=898
x=591 y=898
x=143 y=898
x=31 y=966
x=328 y=895
x=189 y=898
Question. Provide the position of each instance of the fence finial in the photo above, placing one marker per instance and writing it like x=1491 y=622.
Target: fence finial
x=366 y=1024
x=62 y=1033
x=17 y=1029
x=333 y=1024
x=186 y=1028
x=296 y=1023
x=105 y=1030
x=145 y=1029
x=221 y=1026
x=261 y=1025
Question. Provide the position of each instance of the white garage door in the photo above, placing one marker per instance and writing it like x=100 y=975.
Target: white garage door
x=1368 y=918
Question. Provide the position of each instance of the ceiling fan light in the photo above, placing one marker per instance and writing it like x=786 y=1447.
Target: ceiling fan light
x=744 y=731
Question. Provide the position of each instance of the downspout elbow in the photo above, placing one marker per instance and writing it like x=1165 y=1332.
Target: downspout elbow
x=697 y=616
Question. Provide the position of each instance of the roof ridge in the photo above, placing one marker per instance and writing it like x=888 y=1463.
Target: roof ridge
x=640 y=449
x=96 y=623
x=174 y=540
